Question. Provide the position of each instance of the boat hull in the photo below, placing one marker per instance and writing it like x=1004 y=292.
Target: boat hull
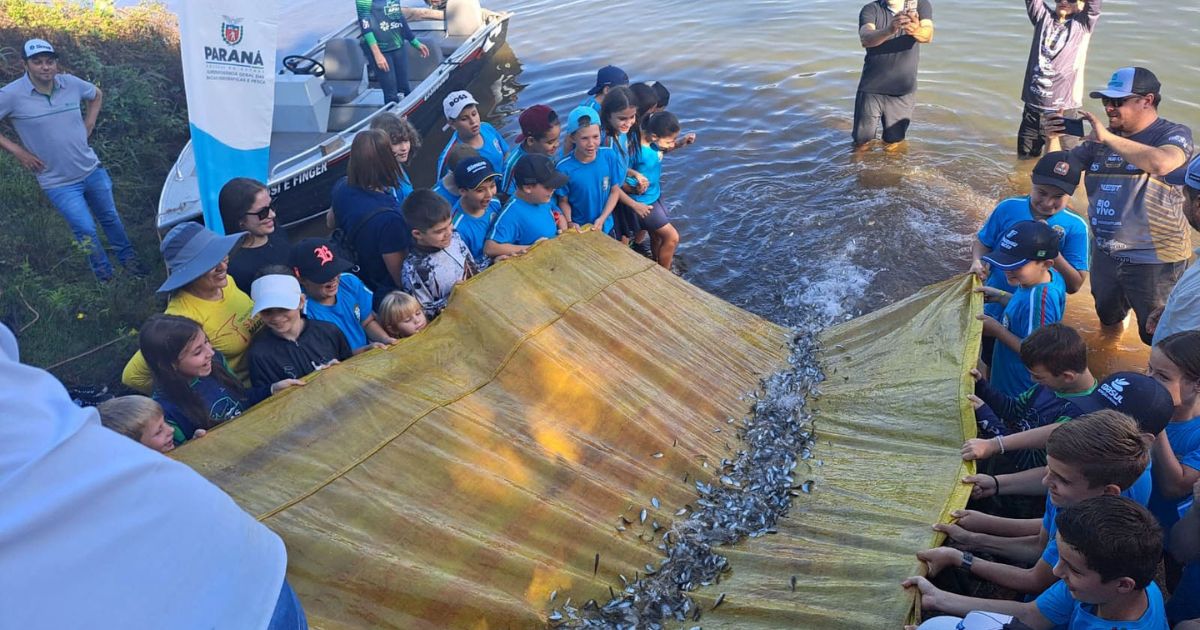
x=303 y=193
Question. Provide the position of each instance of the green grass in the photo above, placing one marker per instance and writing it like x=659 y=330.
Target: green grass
x=48 y=294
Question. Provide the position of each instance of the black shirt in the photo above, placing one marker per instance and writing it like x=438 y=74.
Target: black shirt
x=891 y=67
x=273 y=358
x=245 y=263
x=374 y=234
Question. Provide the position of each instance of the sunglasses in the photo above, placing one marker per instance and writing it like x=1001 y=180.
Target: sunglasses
x=1118 y=102
x=263 y=213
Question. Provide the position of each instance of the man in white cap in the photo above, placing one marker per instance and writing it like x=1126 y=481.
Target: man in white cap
x=1135 y=207
x=44 y=107
x=1182 y=311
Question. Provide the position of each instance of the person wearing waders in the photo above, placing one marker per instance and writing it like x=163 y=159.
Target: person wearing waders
x=891 y=31
x=1054 y=73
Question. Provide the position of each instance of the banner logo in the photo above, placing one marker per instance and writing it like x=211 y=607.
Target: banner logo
x=231 y=30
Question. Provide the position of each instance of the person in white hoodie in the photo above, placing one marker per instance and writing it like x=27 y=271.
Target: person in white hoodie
x=98 y=531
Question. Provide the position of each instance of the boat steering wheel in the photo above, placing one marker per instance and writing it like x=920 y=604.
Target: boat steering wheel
x=299 y=64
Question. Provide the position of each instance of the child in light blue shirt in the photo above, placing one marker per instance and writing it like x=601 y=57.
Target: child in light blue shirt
x=594 y=174
x=1026 y=254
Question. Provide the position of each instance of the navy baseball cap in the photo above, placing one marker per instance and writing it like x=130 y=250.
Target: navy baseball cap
x=535 y=168
x=470 y=172
x=1024 y=242
x=1129 y=81
x=1139 y=397
x=318 y=260
x=1058 y=169
x=607 y=76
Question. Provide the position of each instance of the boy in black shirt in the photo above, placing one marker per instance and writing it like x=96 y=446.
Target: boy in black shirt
x=289 y=346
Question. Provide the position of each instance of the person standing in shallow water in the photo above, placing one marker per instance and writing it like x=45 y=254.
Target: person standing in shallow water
x=1054 y=74
x=891 y=31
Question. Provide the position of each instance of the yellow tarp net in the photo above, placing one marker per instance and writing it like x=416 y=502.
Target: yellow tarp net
x=457 y=479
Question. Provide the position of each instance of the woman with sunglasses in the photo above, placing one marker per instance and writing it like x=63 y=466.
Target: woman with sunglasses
x=246 y=207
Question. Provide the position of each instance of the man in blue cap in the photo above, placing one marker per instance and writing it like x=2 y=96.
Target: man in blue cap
x=43 y=106
x=1133 y=166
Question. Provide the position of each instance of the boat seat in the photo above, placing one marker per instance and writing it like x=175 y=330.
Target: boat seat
x=345 y=69
x=420 y=67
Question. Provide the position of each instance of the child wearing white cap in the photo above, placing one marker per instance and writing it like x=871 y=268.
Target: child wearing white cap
x=462 y=115
x=289 y=346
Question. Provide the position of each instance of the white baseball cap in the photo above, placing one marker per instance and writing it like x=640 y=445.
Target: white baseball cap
x=976 y=620
x=38 y=47
x=456 y=102
x=275 y=291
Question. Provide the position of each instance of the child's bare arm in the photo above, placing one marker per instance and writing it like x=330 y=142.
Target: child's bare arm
x=614 y=196
x=1033 y=580
x=375 y=332
x=1173 y=479
x=492 y=249
x=1070 y=275
x=978 y=251
x=993 y=328
x=1026 y=482
x=933 y=598
x=564 y=207
x=640 y=208
x=1025 y=440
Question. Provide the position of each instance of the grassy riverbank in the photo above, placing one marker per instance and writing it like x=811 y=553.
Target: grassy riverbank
x=81 y=330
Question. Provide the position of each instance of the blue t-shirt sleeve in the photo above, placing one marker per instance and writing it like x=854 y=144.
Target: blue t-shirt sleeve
x=1056 y=604
x=994 y=226
x=1178 y=136
x=614 y=168
x=504 y=230
x=359 y=294
x=1192 y=459
x=1075 y=248
x=87 y=91
x=1050 y=553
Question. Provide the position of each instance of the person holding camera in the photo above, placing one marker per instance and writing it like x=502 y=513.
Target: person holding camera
x=890 y=30
x=1054 y=73
x=1133 y=171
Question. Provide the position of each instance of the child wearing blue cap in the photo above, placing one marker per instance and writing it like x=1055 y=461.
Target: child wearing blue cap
x=594 y=174
x=1026 y=254
x=477 y=207
x=607 y=78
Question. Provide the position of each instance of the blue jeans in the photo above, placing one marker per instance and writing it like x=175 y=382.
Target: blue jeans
x=289 y=614
x=394 y=82
x=77 y=203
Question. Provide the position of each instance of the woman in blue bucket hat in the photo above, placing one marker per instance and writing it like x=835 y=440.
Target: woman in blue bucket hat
x=202 y=290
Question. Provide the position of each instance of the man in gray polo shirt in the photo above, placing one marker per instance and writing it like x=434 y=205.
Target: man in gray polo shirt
x=44 y=107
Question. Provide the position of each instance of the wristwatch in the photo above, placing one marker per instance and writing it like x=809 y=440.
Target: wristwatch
x=967 y=560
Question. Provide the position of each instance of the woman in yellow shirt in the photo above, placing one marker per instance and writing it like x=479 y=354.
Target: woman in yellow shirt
x=202 y=291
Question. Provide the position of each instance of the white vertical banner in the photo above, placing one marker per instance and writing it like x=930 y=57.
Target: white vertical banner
x=228 y=49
